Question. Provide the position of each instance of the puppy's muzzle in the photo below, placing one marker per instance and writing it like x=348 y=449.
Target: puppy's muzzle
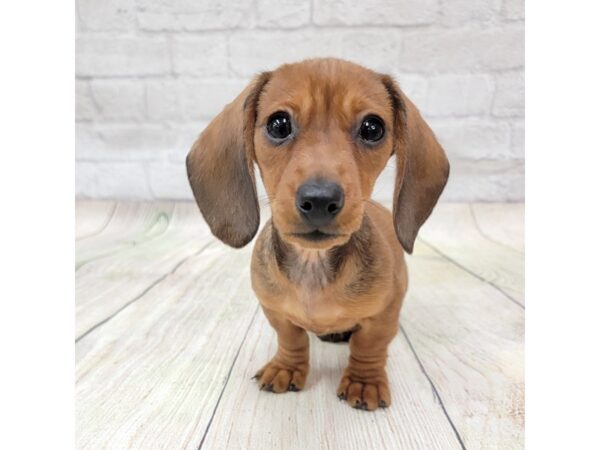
x=319 y=201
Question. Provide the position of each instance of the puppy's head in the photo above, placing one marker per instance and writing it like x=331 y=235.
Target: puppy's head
x=320 y=131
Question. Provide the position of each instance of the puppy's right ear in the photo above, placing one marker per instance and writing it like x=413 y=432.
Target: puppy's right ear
x=221 y=173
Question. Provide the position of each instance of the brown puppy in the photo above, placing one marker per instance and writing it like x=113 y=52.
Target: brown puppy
x=329 y=261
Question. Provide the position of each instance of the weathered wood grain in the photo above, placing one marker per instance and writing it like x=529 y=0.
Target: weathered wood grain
x=469 y=338
x=151 y=376
x=104 y=285
x=503 y=223
x=452 y=231
x=131 y=224
x=91 y=217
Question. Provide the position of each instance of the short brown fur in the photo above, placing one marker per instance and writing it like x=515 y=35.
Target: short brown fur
x=356 y=280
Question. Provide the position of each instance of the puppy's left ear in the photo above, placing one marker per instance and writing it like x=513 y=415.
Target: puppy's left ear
x=220 y=169
x=422 y=168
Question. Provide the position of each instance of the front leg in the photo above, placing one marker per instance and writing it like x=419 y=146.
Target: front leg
x=364 y=384
x=288 y=369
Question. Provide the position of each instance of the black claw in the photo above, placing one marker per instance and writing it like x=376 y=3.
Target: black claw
x=292 y=387
x=382 y=404
x=342 y=396
x=266 y=387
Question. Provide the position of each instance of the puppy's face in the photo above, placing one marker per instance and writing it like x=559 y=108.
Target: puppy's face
x=321 y=131
x=323 y=134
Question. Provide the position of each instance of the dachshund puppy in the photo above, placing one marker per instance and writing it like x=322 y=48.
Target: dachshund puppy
x=330 y=260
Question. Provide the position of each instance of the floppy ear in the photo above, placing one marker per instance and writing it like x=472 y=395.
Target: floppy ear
x=422 y=168
x=221 y=173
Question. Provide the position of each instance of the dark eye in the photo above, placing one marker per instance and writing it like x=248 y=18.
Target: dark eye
x=279 y=125
x=372 y=129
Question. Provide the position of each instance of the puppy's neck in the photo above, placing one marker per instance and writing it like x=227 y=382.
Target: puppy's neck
x=312 y=268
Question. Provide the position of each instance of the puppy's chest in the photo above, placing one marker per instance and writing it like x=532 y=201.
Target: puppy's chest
x=321 y=291
x=315 y=301
x=320 y=311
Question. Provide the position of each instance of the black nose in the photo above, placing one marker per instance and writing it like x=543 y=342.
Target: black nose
x=319 y=201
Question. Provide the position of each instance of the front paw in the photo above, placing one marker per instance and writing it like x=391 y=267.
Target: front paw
x=278 y=377
x=368 y=393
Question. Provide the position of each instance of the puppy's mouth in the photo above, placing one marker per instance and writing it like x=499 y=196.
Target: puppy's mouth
x=316 y=236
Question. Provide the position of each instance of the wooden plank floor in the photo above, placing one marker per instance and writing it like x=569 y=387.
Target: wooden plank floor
x=168 y=334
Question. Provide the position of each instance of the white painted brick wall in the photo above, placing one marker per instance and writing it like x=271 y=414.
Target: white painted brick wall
x=382 y=12
x=150 y=74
